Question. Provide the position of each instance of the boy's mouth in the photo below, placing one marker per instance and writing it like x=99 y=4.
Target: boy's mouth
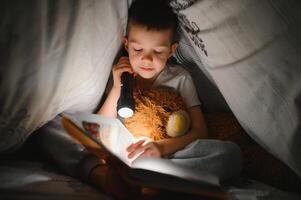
x=147 y=68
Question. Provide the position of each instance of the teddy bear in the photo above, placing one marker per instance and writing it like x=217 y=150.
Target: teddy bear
x=159 y=113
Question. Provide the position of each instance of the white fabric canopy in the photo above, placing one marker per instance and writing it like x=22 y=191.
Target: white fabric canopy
x=56 y=56
x=251 y=50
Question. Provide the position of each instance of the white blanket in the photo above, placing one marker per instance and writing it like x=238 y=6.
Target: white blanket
x=55 y=56
x=251 y=49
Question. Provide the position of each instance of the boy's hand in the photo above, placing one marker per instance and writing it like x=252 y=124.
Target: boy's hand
x=123 y=65
x=150 y=148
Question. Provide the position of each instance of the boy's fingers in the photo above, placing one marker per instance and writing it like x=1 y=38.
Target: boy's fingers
x=147 y=152
x=123 y=68
x=135 y=145
x=136 y=151
x=139 y=142
x=145 y=149
x=122 y=65
x=124 y=58
x=124 y=62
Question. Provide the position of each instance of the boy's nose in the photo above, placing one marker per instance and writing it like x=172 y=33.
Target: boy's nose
x=147 y=56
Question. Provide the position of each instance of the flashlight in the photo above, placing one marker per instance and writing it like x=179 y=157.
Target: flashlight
x=126 y=104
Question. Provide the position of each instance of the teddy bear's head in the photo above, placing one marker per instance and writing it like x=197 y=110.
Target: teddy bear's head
x=159 y=113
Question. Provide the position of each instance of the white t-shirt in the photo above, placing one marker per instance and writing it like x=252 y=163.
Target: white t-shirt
x=176 y=77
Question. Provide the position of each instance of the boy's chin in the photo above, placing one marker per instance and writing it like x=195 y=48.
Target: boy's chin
x=148 y=76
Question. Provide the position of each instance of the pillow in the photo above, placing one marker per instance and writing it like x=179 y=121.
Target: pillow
x=252 y=49
x=56 y=56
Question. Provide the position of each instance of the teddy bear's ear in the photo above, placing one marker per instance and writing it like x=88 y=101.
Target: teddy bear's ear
x=167 y=109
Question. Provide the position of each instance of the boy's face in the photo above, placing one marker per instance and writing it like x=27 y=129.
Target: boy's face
x=148 y=50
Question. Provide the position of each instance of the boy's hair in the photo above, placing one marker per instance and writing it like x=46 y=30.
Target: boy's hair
x=154 y=15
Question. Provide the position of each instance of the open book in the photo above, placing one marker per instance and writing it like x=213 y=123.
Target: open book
x=112 y=136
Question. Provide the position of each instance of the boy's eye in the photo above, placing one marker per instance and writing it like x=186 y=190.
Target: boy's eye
x=158 y=52
x=137 y=50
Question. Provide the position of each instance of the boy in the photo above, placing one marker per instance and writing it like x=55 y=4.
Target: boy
x=150 y=41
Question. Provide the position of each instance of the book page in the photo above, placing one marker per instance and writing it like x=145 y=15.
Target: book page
x=123 y=139
x=107 y=131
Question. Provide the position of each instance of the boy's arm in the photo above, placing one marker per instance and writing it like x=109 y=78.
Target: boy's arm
x=109 y=107
x=198 y=130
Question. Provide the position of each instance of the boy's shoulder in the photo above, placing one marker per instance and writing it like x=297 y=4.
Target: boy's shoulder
x=173 y=75
x=175 y=70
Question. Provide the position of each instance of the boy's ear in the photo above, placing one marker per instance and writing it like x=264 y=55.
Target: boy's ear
x=125 y=43
x=173 y=48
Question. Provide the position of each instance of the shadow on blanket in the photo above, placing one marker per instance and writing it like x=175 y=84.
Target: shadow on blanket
x=258 y=164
